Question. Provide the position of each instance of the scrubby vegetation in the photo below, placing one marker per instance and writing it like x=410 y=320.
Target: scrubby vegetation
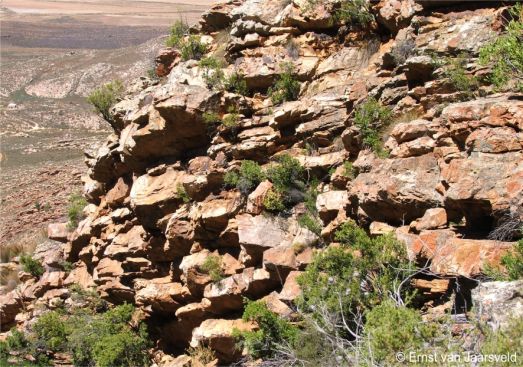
x=236 y=83
x=74 y=210
x=286 y=87
x=505 y=53
x=371 y=117
x=213 y=267
x=181 y=194
x=192 y=48
x=32 y=266
x=247 y=178
x=104 y=339
x=355 y=13
x=212 y=72
x=232 y=118
x=105 y=97
x=512 y=262
x=179 y=29
x=461 y=80
x=273 y=331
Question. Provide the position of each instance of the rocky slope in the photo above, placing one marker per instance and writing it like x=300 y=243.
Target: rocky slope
x=159 y=207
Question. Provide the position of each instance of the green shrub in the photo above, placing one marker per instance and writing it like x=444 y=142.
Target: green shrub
x=459 y=78
x=355 y=12
x=107 y=339
x=505 y=53
x=272 y=330
x=32 y=266
x=504 y=341
x=345 y=282
x=247 y=178
x=178 y=30
x=125 y=348
x=105 y=97
x=236 y=83
x=348 y=170
x=212 y=72
x=50 y=328
x=181 y=194
x=74 y=211
x=286 y=87
x=16 y=340
x=273 y=201
x=371 y=117
x=93 y=339
x=309 y=222
x=513 y=263
x=286 y=174
x=67 y=266
x=390 y=329
x=213 y=267
x=232 y=118
x=211 y=118
x=192 y=48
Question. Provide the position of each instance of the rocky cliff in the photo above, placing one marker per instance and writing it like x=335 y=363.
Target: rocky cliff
x=445 y=175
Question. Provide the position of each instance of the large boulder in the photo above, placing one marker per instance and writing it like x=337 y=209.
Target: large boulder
x=218 y=334
x=498 y=303
x=397 y=190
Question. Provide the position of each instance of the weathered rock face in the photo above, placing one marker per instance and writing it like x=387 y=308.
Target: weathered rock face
x=499 y=302
x=164 y=232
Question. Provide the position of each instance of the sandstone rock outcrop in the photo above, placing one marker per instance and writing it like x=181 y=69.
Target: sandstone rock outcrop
x=167 y=232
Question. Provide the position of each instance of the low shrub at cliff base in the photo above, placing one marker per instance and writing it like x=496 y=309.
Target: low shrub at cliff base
x=32 y=266
x=286 y=87
x=371 y=117
x=75 y=210
x=505 y=53
x=273 y=331
x=93 y=339
x=504 y=341
x=105 y=97
x=390 y=329
x=356 y=276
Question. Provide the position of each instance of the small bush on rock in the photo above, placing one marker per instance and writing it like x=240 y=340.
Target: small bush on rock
x=371 y=117
x=504 y=341
x=247 y=178
x=286 y=87
x=192 y=48
x=105 y=97
x=459 y=78
x=235 y=83
x=505 y=53
x=311 y=223
x=178 y=30
x=273 y=201
x=272 y=330
x=181 y=194
x=213 y=267
x=212 y=72
x=74 y=211
x=355 y=12
x=32 y=266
